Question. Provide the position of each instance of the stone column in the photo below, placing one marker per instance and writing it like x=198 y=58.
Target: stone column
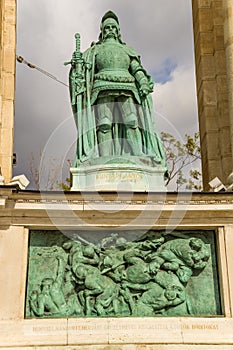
x=228 y=42
x=211 y=77
x=7 y=84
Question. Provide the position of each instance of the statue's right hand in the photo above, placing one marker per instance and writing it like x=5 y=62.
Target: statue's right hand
x=60 y=259
x=74 y=57
x=124 y=284
x=33 y=296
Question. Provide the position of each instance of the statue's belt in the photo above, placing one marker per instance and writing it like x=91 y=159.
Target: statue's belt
x=115 y=78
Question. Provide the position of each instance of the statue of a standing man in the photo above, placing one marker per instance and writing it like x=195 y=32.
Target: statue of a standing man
x=111 y=100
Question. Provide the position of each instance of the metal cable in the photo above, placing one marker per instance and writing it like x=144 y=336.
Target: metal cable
x=20 y=59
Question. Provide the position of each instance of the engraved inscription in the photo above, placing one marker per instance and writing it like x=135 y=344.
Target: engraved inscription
x=128 y=327
x=121 y=177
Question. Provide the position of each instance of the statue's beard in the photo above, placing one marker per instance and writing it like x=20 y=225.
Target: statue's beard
x=110 y=36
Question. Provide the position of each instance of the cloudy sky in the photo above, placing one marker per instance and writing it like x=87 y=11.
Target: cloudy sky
x=159 y=30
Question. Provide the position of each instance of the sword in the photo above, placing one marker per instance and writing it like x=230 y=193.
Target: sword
x=77 y=88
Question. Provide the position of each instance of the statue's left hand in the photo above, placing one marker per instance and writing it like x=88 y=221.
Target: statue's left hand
x=144 y=90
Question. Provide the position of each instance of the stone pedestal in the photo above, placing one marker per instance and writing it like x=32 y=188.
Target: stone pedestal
x=25 y=212
x=119 y=174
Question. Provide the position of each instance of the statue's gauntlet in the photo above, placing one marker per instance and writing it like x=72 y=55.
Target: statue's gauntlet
x=143 y=83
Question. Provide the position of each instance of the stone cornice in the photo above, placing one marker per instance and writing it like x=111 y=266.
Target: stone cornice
x=128 y=210
x=21 y=198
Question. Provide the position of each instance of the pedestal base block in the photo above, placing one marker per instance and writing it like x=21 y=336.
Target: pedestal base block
x=118 y=177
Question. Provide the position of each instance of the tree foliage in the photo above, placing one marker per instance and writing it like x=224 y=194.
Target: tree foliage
x=47 y=178
x=183 y=159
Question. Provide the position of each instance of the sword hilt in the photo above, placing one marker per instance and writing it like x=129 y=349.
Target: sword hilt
x=77 y=41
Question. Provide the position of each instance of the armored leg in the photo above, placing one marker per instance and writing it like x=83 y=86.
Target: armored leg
x=130 y=120
x=104 y=120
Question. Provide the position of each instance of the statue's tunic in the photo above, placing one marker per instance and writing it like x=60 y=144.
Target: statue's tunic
x=113 y=71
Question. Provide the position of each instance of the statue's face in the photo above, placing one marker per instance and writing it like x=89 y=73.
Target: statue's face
x=46 y=284
x=110 y=29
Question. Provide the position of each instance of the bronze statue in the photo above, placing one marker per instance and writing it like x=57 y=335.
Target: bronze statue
x=111 y=100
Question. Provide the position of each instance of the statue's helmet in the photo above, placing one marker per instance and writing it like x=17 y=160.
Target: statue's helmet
x=89 y=251
x=109 y=14
x=110 y=17
x=47 y=283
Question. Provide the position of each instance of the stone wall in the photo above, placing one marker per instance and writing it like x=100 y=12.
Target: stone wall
x=7 y=84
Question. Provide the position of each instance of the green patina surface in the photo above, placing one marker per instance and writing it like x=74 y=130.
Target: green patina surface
x=91 y=274
x=111 y=100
